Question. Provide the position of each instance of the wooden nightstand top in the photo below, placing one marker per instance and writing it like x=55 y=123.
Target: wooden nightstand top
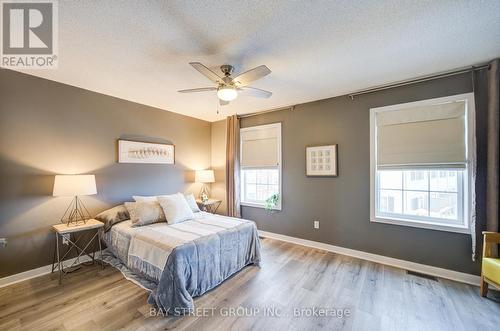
x=208 y=202
x=90 y=224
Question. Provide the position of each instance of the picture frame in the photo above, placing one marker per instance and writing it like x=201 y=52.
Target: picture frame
x=144 y=152
x=322 y=161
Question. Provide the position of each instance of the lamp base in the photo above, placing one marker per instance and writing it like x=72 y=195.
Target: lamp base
x=76 y=213
x=204 y=193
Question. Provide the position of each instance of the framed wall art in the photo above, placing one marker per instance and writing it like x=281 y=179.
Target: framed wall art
x=141 y=152
x=321 y=161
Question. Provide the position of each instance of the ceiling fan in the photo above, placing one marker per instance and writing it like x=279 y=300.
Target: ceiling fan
x=229 y=87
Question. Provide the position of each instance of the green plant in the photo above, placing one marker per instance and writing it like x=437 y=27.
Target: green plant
x=272 y=202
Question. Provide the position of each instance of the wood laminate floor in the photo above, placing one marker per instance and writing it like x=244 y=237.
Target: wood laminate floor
x=292 y=288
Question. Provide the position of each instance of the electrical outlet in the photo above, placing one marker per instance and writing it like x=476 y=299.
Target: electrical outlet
x=3 y=242
x=316 y=224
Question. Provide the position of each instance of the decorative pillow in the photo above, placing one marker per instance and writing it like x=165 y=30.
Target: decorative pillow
x=192 y=202
x=112 y=216
x=176 y=208
x=149 y=198
x=145 y=212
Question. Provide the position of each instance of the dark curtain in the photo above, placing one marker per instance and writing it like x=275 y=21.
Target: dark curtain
x=486 y=95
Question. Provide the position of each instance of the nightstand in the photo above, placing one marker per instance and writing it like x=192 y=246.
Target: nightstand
x=69 y=233
x=211 y=205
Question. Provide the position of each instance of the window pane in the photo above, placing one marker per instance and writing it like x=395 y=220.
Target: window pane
x=273 y=189
x=273 y=176
x=262 y=194
x=416 y=180
x=262 y=176
x=259 y=184
x=250 y=176
x=444 y=181
x=444 y=205
x=390 y=201
x=416 y=203
x=251 y=192
x=390 y=179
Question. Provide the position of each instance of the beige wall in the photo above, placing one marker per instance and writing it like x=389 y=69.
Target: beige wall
x=48 y=128
x=218 y=157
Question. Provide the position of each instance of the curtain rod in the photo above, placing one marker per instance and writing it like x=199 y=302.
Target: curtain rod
x=418 y=80
x=388 y=86
x=264 y=112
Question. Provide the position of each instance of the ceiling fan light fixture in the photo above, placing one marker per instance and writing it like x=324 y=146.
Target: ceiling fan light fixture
x=227 y=93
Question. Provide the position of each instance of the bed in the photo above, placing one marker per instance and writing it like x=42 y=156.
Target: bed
x=185 y=260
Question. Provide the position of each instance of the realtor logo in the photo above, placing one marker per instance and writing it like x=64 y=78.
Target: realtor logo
x=29 y=34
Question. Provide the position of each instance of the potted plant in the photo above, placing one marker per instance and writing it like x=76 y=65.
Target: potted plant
x=272 y=202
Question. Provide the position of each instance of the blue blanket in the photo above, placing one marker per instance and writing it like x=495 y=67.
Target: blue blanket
x=200 y=265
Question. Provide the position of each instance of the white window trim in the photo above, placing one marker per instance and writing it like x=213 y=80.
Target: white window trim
x=280 y=166
x=470 y=169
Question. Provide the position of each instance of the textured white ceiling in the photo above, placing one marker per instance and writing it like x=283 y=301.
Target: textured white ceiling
x=139 y=50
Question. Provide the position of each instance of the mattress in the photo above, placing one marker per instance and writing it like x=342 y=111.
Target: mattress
x=118 y=238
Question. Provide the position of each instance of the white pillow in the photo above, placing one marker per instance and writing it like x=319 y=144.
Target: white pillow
x=176 y=208
x=152 y=198
x=192 y=202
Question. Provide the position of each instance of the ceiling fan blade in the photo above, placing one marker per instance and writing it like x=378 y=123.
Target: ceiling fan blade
x=251 y=75
x=223 y=103
x=207 y=72
x=201 y=89
x=255 y=92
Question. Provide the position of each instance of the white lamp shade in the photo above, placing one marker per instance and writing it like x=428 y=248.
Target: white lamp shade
x=204 y=176
x=74 y=185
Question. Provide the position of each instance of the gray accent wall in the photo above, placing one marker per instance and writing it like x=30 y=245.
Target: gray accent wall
x=342 y=204
x=48 y=128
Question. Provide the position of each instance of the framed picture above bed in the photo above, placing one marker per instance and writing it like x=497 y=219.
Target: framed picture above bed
x=141 y=152
x=321 y=161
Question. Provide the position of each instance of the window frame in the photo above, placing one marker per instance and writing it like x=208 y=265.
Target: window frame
x=279 y=167
x=468 y=185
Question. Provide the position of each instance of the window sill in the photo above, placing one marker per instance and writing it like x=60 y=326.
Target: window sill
x=258 y=205
x=422 y=225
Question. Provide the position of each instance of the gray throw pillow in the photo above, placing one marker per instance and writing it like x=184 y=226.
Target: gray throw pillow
x=145 y=212
x=112 y=216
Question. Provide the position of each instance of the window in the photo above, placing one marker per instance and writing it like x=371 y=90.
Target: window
x=260 y=164
x=422 y=194
x=421 y=157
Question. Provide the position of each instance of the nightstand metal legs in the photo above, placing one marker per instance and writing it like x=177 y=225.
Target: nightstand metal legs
x=58 y=259
x=100 y=247
x=212 y=208
x=81 y=252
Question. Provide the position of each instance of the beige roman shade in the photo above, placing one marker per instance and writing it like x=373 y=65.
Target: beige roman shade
x=420 y=136
x=260 y=146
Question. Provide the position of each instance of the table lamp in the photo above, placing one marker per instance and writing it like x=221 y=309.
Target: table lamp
x=205 y=177
x=74 y=186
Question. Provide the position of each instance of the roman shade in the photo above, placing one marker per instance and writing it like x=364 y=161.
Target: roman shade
x=260 y=146
x=427 y=135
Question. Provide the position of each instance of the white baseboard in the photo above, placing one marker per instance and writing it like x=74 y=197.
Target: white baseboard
x=402 y=264
x=9 y=280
